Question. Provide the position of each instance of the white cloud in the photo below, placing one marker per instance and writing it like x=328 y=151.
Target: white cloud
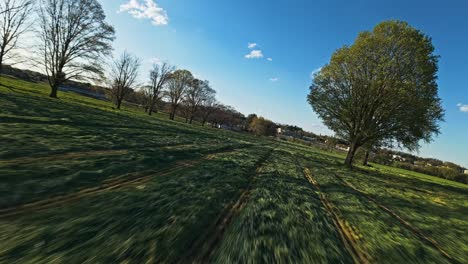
x=274 y=79
x=269 y=59
x=463 y=108
x=314 y=72
x=254 y=54
x=147 y=10
x=252 y=45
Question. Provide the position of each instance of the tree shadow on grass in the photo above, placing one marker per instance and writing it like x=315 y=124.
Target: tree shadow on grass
x=169 y=213
x=282 y=222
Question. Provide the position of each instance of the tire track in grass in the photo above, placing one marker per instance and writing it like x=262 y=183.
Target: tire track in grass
x=347 y=234
x=204 y=247
x=68 y=155
x=110 y=184
x=418 y=233
x=92 y=153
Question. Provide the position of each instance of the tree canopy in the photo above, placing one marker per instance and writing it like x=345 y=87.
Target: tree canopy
x=178 y=83
x=381 y=89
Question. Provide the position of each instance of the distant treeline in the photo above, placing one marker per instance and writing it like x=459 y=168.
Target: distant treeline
x=226 y=117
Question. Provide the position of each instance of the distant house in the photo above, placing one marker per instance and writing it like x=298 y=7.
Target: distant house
x=466 y=172
x=342 y=147
x=398 y=158
x=279 y=130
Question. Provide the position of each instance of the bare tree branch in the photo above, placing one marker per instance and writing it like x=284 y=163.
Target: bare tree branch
x=74 y=39
x=13 y=23
x=159 y=77
x=178 y=83
x=124 y=73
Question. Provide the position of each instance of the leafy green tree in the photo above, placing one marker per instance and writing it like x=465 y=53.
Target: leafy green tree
x=262 y=127
x=381 y=89
x=249 y=120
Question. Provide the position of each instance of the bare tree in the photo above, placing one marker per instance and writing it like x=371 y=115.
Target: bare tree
x=124 y=73
x=208 y=107
x=159 y=76
x=177 y=85
x=196 y=94
x=13 y=23
x=74 y=38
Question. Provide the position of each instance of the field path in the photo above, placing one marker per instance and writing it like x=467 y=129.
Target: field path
x=418 y=233
x=107 y=185
x=202 y=249
x=347 y=234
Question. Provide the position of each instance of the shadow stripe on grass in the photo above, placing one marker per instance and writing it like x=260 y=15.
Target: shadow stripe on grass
x=418 y=233
x=347 y=234
x=110 y=184
x=79 y=154
x=92 y=153
x=205 y=246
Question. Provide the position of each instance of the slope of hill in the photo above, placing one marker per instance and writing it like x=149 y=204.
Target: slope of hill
x=82 y=182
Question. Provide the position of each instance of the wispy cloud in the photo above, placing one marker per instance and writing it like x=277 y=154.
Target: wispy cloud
x=146 y=10
x=314 y=72
x=269 y=59
x=274 y=79
x=463 y=107
x=252 y=45
x=254 y=54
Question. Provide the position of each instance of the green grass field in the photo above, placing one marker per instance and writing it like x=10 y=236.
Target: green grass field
x=84 y=183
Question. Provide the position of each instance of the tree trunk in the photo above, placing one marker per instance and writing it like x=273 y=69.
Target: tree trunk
x=350 y=157
x=119 y=103
x=366 y=158
x=150 y=110
x=2 y=53
x=151 y=107
x=1 y=64
x=173 y=111
x=172 y=114
x=53 y=91
x=191 y=119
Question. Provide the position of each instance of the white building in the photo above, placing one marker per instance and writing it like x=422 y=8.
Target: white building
x=466 y=171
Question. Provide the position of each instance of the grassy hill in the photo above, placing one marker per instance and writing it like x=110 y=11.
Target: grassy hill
x=82 y=182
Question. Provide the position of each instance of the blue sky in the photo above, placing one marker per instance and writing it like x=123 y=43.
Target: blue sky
x=211 y=38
